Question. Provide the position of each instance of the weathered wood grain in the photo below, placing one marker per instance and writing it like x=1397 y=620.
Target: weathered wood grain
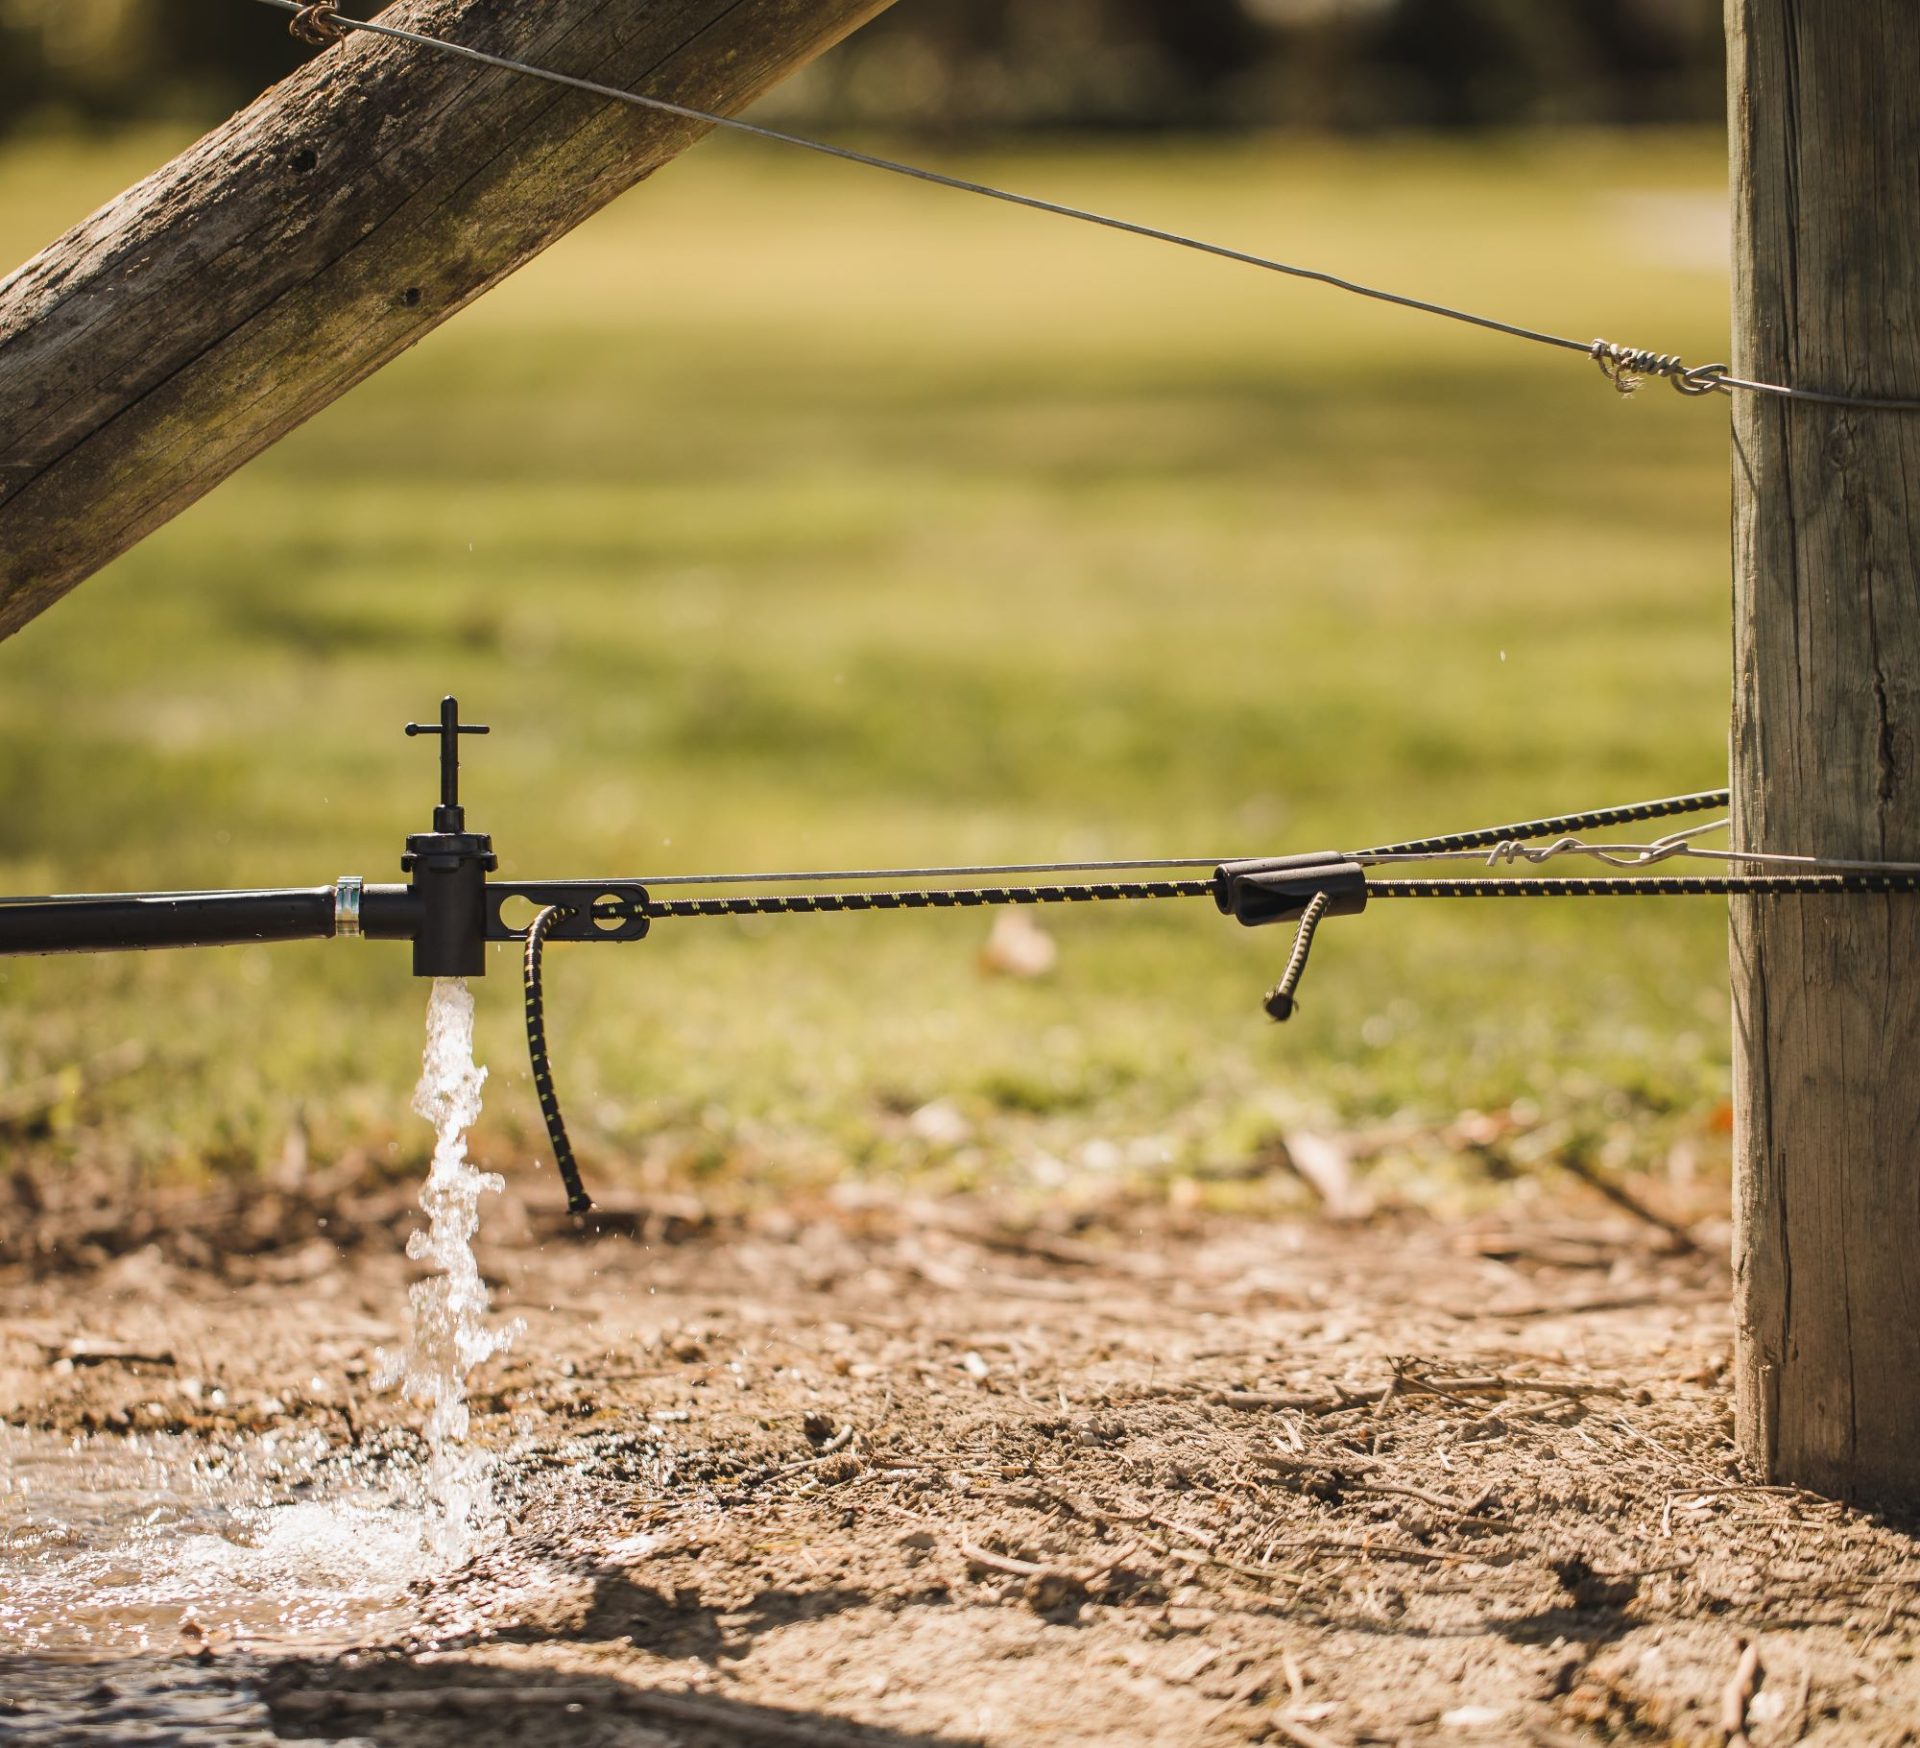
x=1825 y=124
x=293 y=251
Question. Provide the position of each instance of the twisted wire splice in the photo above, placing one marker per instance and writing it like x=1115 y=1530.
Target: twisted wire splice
x=1627 y=366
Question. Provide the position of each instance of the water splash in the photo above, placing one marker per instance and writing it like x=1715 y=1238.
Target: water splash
x=158 y=1543
x=147 y=1581
x=450 y=1333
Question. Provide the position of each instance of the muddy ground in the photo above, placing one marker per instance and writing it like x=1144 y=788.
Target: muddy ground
x=877 y=1472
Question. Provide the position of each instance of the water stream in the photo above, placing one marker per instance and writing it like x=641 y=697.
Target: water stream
x=450 y=1333
x=119 y=1557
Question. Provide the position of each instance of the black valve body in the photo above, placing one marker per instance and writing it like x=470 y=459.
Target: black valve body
x=450 y=872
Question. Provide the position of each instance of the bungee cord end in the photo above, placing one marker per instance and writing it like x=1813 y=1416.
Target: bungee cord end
x=1280 y=1002
x=1303 y=889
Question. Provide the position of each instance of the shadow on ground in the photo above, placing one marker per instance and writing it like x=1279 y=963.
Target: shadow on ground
x=398 y=1703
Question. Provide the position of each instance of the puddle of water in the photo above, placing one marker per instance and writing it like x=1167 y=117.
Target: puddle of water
x=121 y=1557
x=115 y=1545
x=450 y=1334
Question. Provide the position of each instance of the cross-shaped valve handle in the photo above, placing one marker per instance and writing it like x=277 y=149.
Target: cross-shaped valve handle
x=448 y=816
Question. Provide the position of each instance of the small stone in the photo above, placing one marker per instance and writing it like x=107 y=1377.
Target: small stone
x=1017 y=946
x=940 y=1123
x=1048 y=1591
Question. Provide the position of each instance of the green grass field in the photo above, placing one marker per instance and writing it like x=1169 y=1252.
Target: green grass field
x=790 y=515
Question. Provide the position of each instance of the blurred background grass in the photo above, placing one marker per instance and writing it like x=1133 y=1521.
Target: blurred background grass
x=789 y=515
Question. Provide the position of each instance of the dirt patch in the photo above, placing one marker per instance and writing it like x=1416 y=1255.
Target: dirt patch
x=897 y=1474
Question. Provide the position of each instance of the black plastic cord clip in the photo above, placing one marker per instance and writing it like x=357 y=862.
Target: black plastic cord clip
x=587 y=910
x=1302 y=889
x=1277 y=889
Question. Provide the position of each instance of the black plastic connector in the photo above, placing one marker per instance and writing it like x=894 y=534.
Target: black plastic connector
x=1278 y=889
x=587 y=910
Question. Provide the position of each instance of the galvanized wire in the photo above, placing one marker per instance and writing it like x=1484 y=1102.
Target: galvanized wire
x=1597 y=819
x=1624 y=366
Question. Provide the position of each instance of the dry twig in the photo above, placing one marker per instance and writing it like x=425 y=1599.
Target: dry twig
x=1737 y=1696
x=1582 y=1307
x=1666 y=1515
x=1576 y=1165
x=1300 y=1735
x=1406 y=1381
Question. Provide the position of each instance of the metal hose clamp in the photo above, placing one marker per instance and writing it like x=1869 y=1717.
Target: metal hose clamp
x=346 y=904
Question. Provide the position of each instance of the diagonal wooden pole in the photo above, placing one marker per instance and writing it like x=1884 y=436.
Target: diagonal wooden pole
x=292 y=252
x=1825 y=120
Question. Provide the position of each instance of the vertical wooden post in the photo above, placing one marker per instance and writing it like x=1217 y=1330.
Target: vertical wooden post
x=1825 y=125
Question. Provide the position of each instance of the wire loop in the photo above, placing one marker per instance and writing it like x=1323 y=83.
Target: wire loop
x=1664 y=849
x=317 y=24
